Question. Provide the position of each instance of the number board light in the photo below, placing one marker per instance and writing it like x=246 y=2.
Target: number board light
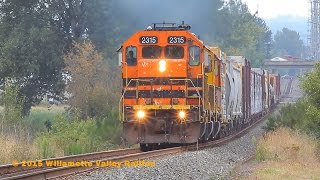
x=176 y=39
x=148 y=40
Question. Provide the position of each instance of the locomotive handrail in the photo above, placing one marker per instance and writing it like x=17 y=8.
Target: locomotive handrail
x=197 y=90
x=121 y=114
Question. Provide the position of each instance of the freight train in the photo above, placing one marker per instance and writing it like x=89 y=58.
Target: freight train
x=178 y=90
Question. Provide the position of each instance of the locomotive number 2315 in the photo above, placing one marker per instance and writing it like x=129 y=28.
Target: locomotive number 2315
x=148 y=40
x=176 y=39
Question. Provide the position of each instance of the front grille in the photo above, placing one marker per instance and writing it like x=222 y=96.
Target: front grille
x=162 y=94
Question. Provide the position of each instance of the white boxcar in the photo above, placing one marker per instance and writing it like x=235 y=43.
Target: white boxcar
x=257 y=104
x=233 y=86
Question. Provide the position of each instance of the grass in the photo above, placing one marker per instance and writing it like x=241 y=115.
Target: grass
x=15 y=149
x=280 y=170
x=19 y=145
x=50 y=111
x=287 y=154
x=40 y=115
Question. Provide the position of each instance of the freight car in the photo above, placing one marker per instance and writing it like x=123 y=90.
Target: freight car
x=178 y=90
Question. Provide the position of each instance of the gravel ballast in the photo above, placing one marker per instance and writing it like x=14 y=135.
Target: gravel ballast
x=213 y=163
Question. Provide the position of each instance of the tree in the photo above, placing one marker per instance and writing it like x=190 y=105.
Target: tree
x=83 y=19
x=36 y=34
x=240 y=33
x=288 y=42
x=91 y=86
x=31 y=52
x=311 y=85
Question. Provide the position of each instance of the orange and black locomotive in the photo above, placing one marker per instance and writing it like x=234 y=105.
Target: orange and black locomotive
x=178 y=90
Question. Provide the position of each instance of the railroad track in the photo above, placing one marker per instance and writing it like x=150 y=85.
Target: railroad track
x=8 y=172
x=20 y=170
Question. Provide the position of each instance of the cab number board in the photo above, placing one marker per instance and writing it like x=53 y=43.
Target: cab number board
x=148 y=40
x=176 y=39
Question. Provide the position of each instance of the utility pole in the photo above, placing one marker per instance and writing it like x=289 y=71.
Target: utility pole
x=314 y=29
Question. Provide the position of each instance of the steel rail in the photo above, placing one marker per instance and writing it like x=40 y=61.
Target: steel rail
x=11 y=170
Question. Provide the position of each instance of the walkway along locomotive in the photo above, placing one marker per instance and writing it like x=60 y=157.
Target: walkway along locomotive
x=176 y=89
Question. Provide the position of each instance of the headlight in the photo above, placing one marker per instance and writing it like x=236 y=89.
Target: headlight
x=141 y=114
x=182 y=115
x=162 y=65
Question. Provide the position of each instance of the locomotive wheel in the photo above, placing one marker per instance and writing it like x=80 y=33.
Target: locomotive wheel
x=209 y=131
x=216 y=130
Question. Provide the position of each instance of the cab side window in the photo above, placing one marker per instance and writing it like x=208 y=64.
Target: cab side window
x=131 y=55
x=207 y=63
x=194 y=55
x=216 y=66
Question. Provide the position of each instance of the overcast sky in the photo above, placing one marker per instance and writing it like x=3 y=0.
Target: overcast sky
x=273 y=8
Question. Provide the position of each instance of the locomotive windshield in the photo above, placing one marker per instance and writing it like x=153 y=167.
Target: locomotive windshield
x=174 y=52
x=151 y=52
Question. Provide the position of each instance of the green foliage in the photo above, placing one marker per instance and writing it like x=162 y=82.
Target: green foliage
x=261 y=153
x=241 y=33
x=109 y=127
x=67 y=135
x=272 y=123
x=302 y=116
x=292 y=116
x=90 y=82
x=71 y=136
x=13 y=105
x=30 y=51
x=40 y=120
x=35 y=34
x=311 y=85
x=288 y=42
x=45 y=147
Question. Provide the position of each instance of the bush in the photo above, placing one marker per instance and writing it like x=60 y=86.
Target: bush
x=13 y=106
x=93 y=85
x=45 y=134
x=72 y=136
x=110 y=127
x=300 y=116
